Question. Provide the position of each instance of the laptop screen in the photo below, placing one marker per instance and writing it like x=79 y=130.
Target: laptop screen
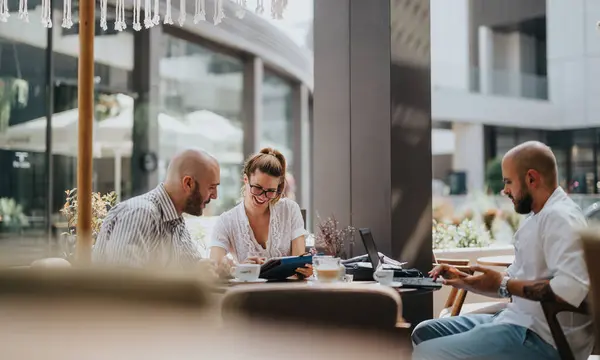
x=369 y=243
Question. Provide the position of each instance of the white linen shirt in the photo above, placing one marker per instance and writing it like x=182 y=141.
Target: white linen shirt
x=233 y=233
x=547 y=247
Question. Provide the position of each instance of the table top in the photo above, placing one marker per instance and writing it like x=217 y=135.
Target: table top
x=222 y=288
x=502 y=260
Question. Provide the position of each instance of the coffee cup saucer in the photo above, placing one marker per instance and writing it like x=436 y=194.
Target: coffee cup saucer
x=239 y=281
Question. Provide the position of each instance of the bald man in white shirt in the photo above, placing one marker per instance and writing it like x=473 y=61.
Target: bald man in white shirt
x=549 y=266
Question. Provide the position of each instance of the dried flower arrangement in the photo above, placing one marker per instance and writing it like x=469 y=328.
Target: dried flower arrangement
x=512 y=218
x=101 y=204
x=331 y=240
x=488 y=219
x=198 y=234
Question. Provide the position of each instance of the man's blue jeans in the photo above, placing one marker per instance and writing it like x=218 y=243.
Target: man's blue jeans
x=477 y=337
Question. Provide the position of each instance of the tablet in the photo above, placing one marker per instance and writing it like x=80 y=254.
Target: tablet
x=282 y=268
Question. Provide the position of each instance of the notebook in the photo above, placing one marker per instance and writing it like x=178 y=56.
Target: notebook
x=282 y=268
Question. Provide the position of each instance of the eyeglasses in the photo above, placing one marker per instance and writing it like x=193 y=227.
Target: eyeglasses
x=258 y=191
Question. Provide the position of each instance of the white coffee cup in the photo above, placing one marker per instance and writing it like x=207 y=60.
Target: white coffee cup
x=384 y=277
x=247 y=272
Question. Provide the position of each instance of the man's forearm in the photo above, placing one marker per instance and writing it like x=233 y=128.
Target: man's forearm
x=535 y=290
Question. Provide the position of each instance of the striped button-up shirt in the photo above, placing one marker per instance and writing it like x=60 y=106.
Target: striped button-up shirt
x=146 y=231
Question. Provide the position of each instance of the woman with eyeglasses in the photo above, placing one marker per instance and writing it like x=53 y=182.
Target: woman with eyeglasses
x=264 y=224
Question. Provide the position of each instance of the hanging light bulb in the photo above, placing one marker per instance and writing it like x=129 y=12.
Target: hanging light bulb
x=200 y=11
x=151 y=10
x=67 y=22
x=240 y=12
x=219 y=12
x=277 y=9
x=23 y=14
x=260 y=7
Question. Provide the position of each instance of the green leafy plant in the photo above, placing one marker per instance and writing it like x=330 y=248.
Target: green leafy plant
x=493 y=176
x=13 y=93
x=11 y=214
x=464 y=235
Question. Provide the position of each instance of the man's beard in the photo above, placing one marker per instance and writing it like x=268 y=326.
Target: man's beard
x=193 y=204
x=525 y=203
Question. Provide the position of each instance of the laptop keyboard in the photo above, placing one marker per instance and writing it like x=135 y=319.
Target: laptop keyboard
x=418 y=282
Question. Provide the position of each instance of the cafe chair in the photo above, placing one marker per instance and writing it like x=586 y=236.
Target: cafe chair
x=39 y=283
x=341 y=305
x=63 y=314
x=51 y=263
x=303 y=212
x=591 y=247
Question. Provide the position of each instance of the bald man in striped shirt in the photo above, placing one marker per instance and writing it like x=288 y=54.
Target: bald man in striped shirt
x=149 y=230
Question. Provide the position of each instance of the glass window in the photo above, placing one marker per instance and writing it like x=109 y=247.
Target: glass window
x=23 y=123
x=277 y=125
x=22 y=136
x=23 y=192
x=505 y=140
x=201 y=99
x=524 y=135
x=583 y=177
x=113 y=114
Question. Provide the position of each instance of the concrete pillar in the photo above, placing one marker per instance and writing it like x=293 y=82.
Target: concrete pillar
x=469 y=154
x=301 y=148
x=146 y=158
x=372 y=127
x=252 y=104
x=486 y=59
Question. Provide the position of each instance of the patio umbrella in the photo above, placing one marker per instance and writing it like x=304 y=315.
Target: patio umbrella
x=31 y=135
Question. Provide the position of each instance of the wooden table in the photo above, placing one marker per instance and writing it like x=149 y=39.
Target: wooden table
x=223 y=287
x=503 y=260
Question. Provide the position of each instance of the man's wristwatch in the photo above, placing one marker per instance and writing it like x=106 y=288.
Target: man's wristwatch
x=503 y=289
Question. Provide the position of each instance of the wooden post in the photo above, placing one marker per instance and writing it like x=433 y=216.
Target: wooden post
x=86 y=128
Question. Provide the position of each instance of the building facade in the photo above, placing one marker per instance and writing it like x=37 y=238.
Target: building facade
x=504 y=72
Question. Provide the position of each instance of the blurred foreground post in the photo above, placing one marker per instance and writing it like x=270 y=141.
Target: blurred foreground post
x=86 y=128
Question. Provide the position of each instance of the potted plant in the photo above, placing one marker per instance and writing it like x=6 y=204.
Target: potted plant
x=493 y=176
x=101 y=204
x=464 y=235
x=11 y=215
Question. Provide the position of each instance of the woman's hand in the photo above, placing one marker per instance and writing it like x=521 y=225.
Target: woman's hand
x=255 y=260
x=224 y=266
x=306 y=271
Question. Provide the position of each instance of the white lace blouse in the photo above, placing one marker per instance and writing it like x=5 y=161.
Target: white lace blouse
x=233 y=233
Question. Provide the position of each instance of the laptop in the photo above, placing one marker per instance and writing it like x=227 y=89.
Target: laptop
x=407 y=282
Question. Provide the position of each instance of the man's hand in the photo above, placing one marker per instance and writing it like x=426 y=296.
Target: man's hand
x=206 y=269
x=447 y=272
x=486 y=283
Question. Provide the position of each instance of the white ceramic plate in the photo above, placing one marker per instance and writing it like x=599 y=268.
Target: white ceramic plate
x=257 y=281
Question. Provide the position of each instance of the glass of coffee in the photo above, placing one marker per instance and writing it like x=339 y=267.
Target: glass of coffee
x=327 y=268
